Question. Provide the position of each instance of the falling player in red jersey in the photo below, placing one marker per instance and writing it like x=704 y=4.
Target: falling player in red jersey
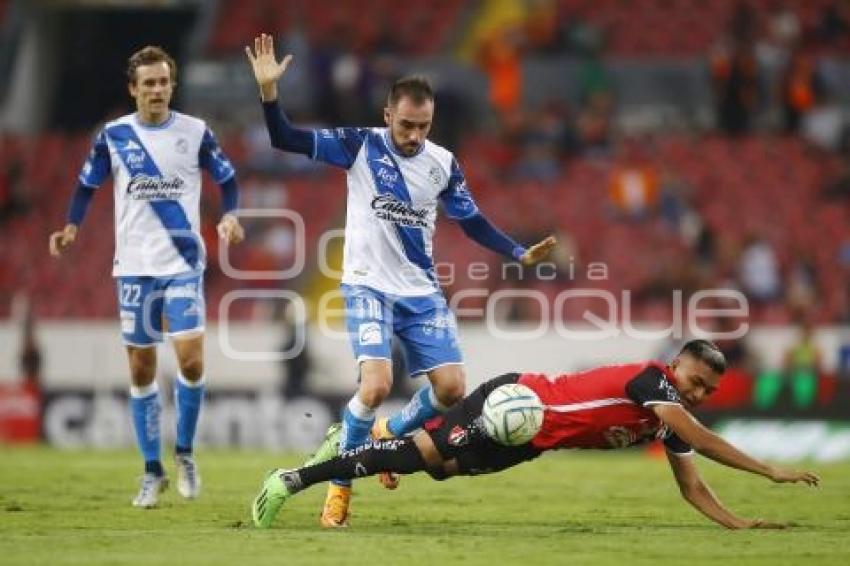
x=606 y=407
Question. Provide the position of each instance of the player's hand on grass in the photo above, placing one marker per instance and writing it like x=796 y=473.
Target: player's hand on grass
x=230 y=230
x=267 y=71
x=538 y=251
x=60 y=240
x=762 y=524
x=782 y=475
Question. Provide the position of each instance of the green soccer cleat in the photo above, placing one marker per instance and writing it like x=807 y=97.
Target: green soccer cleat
x=329 y=447
x=270 y=499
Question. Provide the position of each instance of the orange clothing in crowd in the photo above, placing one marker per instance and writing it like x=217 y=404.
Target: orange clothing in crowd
x=634 y=189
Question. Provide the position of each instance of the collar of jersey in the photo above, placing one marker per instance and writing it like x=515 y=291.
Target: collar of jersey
x=158 y=126
x=391 y=144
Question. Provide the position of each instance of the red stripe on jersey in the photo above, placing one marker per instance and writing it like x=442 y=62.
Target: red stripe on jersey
x=590 y=409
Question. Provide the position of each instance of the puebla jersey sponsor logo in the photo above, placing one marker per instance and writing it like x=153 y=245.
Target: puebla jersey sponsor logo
x=389 y=208
x=146 y=187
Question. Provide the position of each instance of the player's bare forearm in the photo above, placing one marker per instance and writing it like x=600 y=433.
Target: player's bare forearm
x=706 y=442
x=713 y=446
x=696 y=492
x=704 y=501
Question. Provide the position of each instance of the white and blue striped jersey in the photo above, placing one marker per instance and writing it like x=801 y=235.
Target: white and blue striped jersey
x=157 y=185
x=392 y=207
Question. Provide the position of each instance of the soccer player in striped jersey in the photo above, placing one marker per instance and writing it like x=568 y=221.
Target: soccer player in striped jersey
x=602 y=408
x=155 y=157
x=396 y=180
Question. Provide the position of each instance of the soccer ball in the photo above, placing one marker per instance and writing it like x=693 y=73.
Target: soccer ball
x=512 y=414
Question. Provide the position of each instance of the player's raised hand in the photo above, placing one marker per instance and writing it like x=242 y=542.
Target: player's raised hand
x=60 y=240
x=782 y=475
x=230 y=230
x=538 y=251
x=267 y=71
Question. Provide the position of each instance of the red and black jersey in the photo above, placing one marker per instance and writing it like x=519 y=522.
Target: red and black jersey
x=606 y=407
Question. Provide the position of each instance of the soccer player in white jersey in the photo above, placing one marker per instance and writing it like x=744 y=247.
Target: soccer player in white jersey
x=396 y=179
x=155 y=156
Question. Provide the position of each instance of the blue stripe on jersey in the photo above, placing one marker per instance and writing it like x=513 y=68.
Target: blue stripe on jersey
x=211 y=158
x=390 y=181
x=98 y=164
x=139 y=163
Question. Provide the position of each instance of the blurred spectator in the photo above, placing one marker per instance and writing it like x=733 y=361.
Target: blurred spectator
x=743 y=23
x=21 y=403
x=824 y=125
x=838 y=186
x=676 y=197
x=758 y=270
x=801 y=285
x=633 y=187
x=735 y=74
x=543 y=139
x=594 y=124
x=500 y=58
x=801 y=87
x=834 y=26
x=543 y=29
x=784 y=26
x=803 y=367
x=12 y=189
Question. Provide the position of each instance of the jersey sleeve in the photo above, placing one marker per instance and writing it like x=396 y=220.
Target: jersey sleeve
x=676 y=445
x=339 y=146
x=456 y=198
x=213 y=159
x=651 y=387
x=98 y=165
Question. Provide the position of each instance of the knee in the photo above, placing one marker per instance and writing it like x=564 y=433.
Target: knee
x=376 y=380
x=450 y=389
x=192 y=367
x=142 y=368
x=373 y=393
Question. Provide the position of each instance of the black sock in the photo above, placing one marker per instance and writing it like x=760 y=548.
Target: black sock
x=154 y=467
x=399 y=455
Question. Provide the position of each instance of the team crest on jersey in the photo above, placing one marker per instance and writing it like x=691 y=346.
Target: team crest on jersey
x=436 y=176
x=458 y=436
x=181 y=146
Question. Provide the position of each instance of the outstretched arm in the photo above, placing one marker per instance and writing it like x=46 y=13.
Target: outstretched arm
x=461 y=207
x=697 y=493
x=482 y=231
x=713 y=446
x=267 y=72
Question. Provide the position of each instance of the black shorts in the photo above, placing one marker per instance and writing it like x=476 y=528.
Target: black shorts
x=459 y=434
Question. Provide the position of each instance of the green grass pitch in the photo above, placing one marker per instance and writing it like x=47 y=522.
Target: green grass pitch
x=62 y=508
